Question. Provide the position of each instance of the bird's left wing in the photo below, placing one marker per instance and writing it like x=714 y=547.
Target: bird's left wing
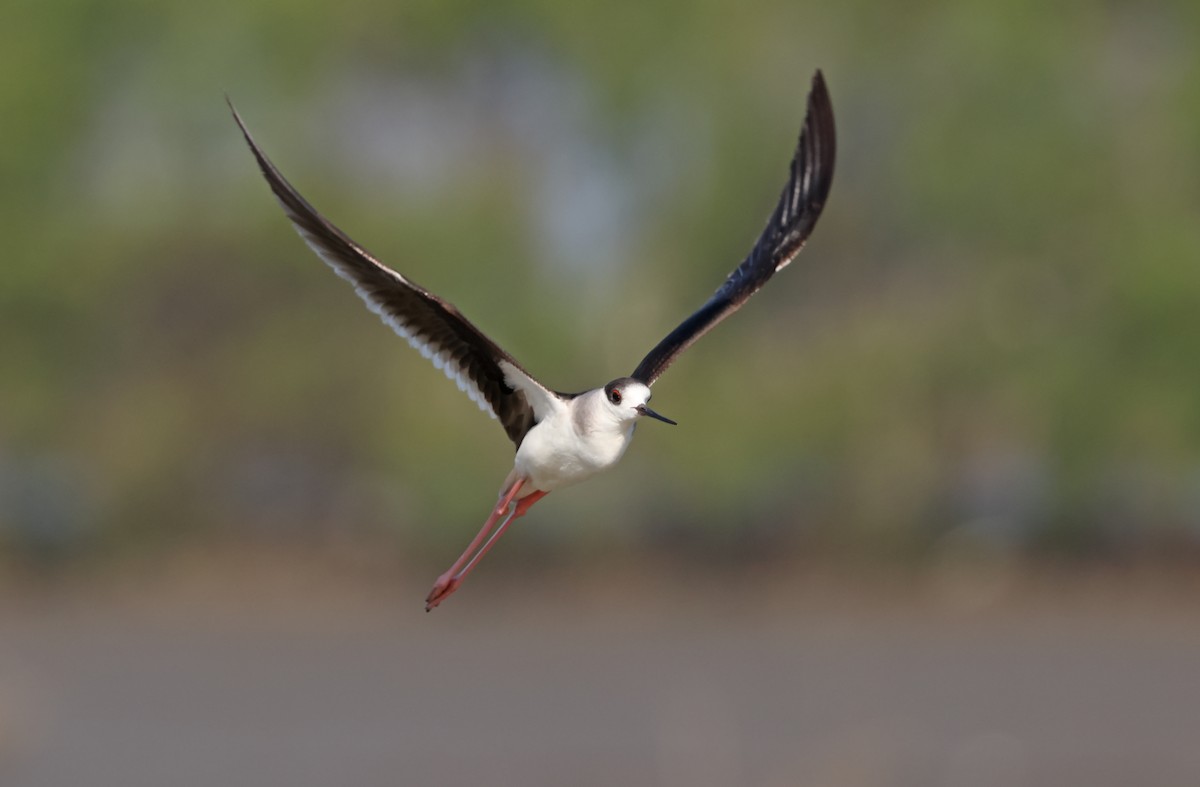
x=787 y=229
x=434 y=327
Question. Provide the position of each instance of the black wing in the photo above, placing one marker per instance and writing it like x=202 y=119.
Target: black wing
x=486 y=373
x=784 y=236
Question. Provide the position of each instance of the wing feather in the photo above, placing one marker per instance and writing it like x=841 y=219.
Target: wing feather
x=788 y=228
x=434 y=327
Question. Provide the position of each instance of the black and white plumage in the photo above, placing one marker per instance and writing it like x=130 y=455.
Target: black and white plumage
x=433 y=327
x=560 y=438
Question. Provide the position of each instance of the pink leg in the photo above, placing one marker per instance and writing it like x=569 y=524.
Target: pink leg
x=525 y=503
x=449 y=581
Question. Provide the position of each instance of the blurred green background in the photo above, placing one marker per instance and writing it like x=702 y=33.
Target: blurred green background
x=918 y=524
x=991 y=339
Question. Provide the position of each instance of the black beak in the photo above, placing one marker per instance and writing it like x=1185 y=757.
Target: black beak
x=644 y=410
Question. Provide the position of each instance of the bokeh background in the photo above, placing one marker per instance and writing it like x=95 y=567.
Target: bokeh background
x=932 y=509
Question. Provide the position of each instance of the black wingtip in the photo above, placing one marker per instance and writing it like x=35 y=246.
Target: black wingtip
x=237 y=118
x=304 y=216
x=820 y=107
x=822 y=135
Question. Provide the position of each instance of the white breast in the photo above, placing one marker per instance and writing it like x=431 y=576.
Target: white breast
x=577 y=441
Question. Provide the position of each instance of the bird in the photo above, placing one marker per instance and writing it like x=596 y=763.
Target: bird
x=560 y=438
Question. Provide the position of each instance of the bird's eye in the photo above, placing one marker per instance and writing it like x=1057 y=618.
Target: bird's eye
x=615 y=396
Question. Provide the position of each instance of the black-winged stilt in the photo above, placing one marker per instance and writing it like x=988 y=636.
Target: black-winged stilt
x=561 y=438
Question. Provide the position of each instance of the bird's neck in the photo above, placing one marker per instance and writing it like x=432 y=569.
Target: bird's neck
x=594 y=418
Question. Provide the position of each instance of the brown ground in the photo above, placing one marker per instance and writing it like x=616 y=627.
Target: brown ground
x=229 y=672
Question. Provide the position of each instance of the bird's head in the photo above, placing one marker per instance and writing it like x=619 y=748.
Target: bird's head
x=626 y=399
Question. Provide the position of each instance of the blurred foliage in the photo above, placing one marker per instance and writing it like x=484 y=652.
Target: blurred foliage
x=993 y=332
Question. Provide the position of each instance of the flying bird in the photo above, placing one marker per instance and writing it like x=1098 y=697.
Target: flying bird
x=560 y=438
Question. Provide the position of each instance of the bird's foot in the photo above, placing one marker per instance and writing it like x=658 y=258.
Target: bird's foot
x=446 y=584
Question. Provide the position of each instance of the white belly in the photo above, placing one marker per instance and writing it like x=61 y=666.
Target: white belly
x=553 y=454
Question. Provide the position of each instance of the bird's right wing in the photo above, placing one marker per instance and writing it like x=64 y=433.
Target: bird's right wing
x=434 y=327
x=786 y=231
